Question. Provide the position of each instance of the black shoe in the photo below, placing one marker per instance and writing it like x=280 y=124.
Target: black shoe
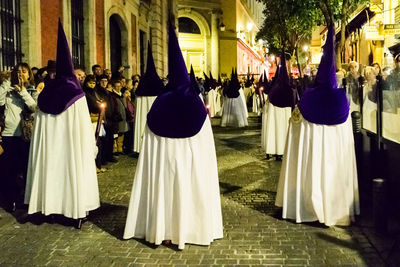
x=79 y=222
x=10 y=207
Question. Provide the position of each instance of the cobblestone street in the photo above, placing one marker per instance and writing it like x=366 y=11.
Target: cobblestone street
x=254 y=234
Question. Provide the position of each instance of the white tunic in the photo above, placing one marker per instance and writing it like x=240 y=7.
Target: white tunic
x=275 y=123
x=234 y=113
x=211 y=101
x=62 y=175
x=175 y=193
x=143 y=106
x=241 y=92
x=318 y=179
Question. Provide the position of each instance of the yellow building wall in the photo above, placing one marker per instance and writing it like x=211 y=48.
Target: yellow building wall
x=227 y=40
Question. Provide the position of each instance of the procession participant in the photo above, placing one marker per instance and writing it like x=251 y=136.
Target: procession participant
x=175 y=195
x=61 y=175
x=281 y=100
x=150 y=85
x=234 y=111
x=318 y=179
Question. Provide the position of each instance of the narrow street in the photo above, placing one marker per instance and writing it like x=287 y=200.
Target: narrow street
x=254 y=234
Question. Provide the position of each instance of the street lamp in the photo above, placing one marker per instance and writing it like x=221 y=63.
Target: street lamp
x=249 y=26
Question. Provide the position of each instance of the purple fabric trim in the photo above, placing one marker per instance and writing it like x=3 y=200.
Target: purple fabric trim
x=325 y=103
x=281 y=93
x=178 y=113
x=60 y=93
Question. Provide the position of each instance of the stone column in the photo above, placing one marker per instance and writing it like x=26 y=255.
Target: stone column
x=89 y=31
x=66 y=21
x=31 y=41
x=214 y=44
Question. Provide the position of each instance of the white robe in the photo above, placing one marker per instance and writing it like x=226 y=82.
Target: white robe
x=211 y=102
x=241 y=92
x=234 y=113
x=175 y=193
x=275 y=124
x=318 y=179
x=143 y=106
x=62 y=175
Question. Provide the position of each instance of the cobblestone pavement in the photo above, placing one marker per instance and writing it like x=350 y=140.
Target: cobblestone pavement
x=254 y=234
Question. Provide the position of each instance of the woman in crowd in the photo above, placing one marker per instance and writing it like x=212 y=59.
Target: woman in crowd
x=19 y=97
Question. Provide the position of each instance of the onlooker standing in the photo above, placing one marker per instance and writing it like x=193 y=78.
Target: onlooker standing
x=80 y=75
x=19 y=96
x=130 y=117
x=108 y=73
x=122 y=124
x=352 y=85
x=112 y=117
x=97 y=70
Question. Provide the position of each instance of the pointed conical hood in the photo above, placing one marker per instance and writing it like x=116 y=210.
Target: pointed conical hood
x=219 y=83
x=193 y=83
x=282 y=94
x=325 y=103
x=207 y=82
x=150 y=84
x=178 y=113
x=64 y=90
x=176 y=63
x=213 y=82
x=232 y=91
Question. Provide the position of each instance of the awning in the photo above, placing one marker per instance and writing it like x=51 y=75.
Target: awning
x=357 y=22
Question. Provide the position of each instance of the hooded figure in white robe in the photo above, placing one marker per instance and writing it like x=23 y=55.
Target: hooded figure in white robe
x=150 y=86
x=62 y=175
x=281 y=100
x=234 y=110
x=175 y=193
x=318 y=179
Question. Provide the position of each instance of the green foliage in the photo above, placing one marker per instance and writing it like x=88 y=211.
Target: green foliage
x=287 y=23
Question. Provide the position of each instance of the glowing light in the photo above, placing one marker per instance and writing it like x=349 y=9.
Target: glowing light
x=260 y=41
x=102 y=105
x=305 y=47
x=249 y=26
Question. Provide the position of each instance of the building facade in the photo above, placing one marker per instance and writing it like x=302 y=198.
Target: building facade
x=215 y=35
x=218 y=35
x=109 y=33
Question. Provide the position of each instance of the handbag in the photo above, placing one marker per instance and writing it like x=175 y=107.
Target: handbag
x=27 y=121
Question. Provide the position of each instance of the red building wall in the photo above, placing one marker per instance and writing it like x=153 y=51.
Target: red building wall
x=100 y=41
x=50 y=11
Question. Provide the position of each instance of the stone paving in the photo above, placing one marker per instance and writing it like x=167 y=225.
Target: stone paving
x=254 y=234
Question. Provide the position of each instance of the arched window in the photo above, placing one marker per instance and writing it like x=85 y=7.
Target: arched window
x=187 y=25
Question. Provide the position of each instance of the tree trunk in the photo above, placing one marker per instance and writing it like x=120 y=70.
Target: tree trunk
x=298 y=62
x=343 y=22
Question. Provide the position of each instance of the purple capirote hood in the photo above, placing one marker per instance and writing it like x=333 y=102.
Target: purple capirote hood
x=59 y=94
x=150 y=84
x=178 y=113
x=282 y=94
x=325 y=103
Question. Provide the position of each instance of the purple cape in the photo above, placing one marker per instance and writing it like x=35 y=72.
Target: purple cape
x=178 y=113
x=325 y=103
x=60 y=93
x=281 y=93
